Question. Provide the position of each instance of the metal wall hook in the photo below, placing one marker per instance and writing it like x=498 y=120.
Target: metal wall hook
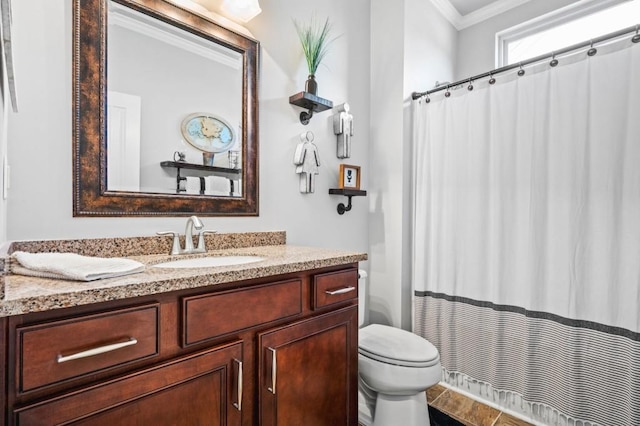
x=554 y=61
x=521 y=72
x=592 y=51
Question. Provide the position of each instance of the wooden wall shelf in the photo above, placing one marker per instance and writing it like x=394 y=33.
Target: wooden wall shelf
x=347 y=193
x=223 y=171
x=310 y=102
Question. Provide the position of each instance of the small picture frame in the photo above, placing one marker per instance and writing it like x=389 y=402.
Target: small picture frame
x=349 y=177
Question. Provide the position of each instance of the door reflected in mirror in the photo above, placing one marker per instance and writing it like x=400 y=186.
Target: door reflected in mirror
x=171 y=91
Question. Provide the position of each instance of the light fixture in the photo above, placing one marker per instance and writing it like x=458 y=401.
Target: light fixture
x=242 y=10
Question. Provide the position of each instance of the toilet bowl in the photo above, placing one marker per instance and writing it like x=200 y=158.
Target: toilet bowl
x=395 y=367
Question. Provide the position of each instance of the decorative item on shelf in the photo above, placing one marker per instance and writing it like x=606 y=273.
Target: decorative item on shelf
x=315 y=43
x=207 y=158
x=311 y=85
x=343 y=128
x=307 y=159
x=181 y=156
x=208 y=133
x=349 y=177
x=234 y=159
x=348 y=185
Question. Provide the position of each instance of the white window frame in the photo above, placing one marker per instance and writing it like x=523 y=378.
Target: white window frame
x=544 y=22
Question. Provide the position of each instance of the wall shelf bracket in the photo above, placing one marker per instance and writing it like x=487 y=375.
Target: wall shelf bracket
x=311 y=103
x=349 y=193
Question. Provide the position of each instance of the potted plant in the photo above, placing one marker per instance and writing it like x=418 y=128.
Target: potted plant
x=315 y=42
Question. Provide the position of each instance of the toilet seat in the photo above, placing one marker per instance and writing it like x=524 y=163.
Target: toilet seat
x=397 y=347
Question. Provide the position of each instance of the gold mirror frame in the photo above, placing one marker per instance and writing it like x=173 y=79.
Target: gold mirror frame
x=90 y=194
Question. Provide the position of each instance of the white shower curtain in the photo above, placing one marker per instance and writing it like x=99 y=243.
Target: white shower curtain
x=526 y=254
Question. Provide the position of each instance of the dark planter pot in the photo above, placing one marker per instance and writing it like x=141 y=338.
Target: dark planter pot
x=311 y=85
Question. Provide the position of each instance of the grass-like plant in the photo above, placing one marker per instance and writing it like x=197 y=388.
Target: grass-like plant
x=315 y=42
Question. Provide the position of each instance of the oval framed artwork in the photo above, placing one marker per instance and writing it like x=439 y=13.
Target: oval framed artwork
x=208 y=133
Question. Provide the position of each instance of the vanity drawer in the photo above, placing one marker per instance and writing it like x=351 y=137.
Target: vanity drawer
x=51 y=352
x=214 y=315
x=334 y=287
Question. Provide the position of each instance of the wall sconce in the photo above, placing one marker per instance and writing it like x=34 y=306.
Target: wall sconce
x=242 y=10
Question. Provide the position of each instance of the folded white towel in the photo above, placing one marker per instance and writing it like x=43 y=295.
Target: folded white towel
x=193 y=185
x=217 y=185
x=71 y=266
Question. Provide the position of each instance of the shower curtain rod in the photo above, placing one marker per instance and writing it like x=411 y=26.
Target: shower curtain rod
x=552 y=55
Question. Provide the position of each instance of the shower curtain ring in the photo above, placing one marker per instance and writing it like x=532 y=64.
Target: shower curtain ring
x=521 y=72
x=427 y=99
x=491 y=79
x=470 y=86
x=447 y=93
x=592 y=51
x=554 y=61
x=636 y=38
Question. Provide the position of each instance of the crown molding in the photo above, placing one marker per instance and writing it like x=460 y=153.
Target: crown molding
x=461 y=22
x=142 y=24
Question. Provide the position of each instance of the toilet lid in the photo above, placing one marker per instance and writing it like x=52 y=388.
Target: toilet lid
x=395 y=346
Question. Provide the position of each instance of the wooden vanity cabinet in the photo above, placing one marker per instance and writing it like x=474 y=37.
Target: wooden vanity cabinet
x=264 y=351
x=192 y=390
x=308 y=371
x=3 y=371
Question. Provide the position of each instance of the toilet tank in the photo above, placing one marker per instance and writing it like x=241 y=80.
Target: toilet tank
x=362 y=296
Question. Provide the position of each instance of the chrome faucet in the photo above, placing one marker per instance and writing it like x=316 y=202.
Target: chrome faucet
x=192 y=222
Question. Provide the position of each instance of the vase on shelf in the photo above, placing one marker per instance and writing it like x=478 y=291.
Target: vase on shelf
x=311 y=85
x=207 y=158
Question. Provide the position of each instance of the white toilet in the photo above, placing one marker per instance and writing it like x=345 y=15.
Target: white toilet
x=395 y=368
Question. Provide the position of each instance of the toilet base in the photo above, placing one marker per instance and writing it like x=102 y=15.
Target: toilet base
x=395 y=410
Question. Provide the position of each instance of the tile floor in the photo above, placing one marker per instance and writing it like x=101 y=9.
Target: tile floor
x=452 y=409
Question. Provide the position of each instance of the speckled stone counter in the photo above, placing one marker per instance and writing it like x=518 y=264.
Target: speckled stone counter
x=23 y=294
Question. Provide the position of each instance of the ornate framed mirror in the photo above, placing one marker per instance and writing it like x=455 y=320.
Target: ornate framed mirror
x=165 y=112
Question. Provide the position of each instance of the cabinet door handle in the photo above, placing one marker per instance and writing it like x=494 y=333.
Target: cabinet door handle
x=340 y=291
x=96 y=351
x=238 y=404
x=273 y=370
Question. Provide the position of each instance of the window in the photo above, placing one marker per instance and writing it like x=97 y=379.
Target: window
x=565 y=27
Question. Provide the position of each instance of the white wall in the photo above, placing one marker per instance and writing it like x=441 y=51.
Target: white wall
x=416 y=46
x=477 y=44
x=40 y=144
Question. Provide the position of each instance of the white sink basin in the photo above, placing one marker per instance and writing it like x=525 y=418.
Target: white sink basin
x=209 y=262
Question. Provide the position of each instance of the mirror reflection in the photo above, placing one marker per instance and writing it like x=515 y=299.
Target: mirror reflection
x=174 y=109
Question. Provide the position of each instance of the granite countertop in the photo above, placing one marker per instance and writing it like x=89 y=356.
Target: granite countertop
x=24 y=294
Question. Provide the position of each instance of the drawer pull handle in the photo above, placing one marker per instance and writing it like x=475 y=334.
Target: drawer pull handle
x=238 y=404
x=274 y=371
x=97 y=351
x=342 y=290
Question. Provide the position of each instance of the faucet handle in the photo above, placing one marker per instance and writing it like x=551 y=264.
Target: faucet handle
x=175 y=248
x=201 y=244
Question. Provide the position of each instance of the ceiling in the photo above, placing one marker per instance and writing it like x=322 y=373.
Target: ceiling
x=465 y=7
x=465 y=13
x=461 y=13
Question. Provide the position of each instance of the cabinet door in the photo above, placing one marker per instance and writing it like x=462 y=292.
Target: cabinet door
x=308 y=371
x=199 y=389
